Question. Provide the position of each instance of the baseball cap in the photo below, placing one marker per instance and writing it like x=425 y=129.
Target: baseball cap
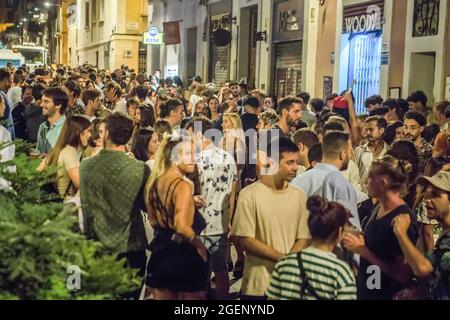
x=210 y=86
x=252 y=102
x=340 y=103
x=197 y=78
x=243 y=82
x=440 y=180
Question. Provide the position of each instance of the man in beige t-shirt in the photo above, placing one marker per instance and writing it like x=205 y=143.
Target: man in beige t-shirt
x=271 y=218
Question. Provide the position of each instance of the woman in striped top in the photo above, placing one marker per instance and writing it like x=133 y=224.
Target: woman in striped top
x=316 y=273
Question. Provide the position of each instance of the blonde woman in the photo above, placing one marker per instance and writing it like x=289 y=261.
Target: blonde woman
x=233 y=142
x=178 y=266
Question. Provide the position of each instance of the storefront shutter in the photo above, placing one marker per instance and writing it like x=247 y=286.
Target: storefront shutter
x=288 y=68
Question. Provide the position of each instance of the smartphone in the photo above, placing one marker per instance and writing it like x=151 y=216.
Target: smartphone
x=352 y=86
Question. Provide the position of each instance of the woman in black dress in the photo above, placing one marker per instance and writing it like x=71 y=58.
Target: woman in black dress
x=383 y=272
x=178 y=266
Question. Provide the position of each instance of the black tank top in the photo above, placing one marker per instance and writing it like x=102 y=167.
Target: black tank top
x=165 y=215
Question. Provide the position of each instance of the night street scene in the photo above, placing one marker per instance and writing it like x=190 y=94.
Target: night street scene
x=235 y=152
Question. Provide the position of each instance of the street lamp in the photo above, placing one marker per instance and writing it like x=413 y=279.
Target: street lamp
x=49 y=4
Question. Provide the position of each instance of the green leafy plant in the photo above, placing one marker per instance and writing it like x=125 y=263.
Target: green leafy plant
x=38 y=242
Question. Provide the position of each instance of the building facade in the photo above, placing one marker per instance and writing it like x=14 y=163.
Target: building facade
x=281 y=46
x=391 y=48
x=107 y=33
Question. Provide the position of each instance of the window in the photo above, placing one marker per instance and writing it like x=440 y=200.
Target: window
x=144 y=8
x=101 y=16
x=10 y=17
x=94 y=11
x=426 y=18
x=10 y=4
x=86 y=15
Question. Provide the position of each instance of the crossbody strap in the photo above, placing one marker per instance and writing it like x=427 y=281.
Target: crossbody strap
x=305 y=286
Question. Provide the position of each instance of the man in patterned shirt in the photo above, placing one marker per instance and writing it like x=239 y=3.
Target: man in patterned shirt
x=218 y=175
x=112 y=196
x=413 y=126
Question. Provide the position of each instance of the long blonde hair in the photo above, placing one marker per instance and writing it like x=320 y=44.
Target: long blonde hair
x=235 y=119
x=238 y=135
x=163 y=161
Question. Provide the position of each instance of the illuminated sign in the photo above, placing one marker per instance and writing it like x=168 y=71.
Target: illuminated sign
x=365 y=17
x=153 y=36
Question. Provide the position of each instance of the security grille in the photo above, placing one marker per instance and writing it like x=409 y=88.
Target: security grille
x=365 y=64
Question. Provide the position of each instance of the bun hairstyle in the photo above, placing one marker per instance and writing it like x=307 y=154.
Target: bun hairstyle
x=397 y=171
x=406 y=150
x=325 y=219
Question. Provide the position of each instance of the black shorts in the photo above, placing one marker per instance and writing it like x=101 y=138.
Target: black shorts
x=176 y=267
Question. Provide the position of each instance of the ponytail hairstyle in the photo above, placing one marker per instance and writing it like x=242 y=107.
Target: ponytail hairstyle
x=326 y=219
x=406 y=151
x=397 y=171
x=163 y=159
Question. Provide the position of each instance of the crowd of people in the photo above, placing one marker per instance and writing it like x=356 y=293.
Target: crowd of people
x=318 y=202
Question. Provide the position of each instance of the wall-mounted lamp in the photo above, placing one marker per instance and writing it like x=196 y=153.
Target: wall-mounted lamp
x=261 y=36
x=228 y=19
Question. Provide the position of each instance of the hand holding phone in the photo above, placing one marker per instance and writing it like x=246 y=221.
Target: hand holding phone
x=350 y=90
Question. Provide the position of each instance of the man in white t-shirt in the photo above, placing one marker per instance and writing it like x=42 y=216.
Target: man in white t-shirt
x=271 y=217
x=218 y=175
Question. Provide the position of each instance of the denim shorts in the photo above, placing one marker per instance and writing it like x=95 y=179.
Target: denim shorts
x=217 y=246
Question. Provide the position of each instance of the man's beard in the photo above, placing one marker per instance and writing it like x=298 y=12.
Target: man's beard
x=290 y=122
x=410 y=137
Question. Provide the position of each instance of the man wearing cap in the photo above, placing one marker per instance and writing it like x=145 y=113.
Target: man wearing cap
x=196 y=81
x=250 y=117
x=435 y=265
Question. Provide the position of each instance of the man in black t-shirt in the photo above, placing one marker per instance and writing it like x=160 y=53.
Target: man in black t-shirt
x=250 y=117
x=249 y=122
x=289 y=110
x=27 y=114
